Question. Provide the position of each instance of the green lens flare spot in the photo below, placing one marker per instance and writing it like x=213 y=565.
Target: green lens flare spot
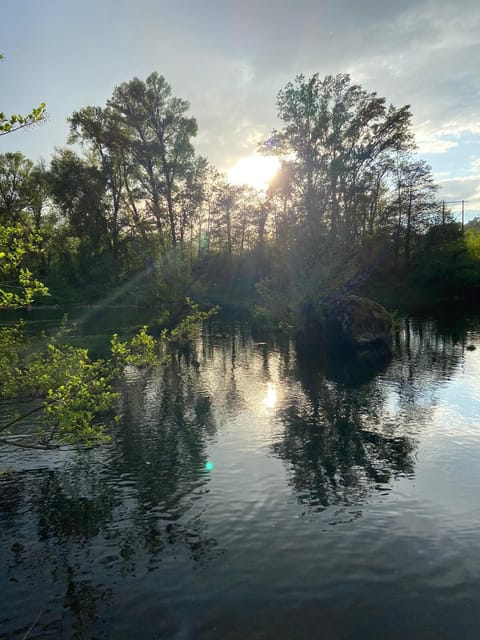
x=209 y=466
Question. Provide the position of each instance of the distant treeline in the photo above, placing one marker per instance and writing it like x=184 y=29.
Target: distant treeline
x=352 y=207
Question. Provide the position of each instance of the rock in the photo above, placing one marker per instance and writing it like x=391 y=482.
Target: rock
x=357 y=321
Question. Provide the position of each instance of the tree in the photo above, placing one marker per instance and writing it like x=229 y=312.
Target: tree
x=415 y=200
x=330 y=201
x=191 y=198
x=78 y=189
x=18 y=286
x=15 y=170
x=72 y=392
x=334 y=137
x=37 y=194
x=160 y=135
x=99 y=131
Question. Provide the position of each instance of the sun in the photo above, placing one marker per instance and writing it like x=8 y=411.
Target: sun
x=254 y=171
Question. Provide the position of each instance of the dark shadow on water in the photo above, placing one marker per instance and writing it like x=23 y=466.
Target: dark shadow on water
x=354 y=429
x=335 y=441
x=346 y=366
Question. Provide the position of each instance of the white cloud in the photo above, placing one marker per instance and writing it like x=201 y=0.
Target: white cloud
x=459 y=179
x=242 y=73
x=431 y=143
x=230 y=59
x=475 y=165
x=456 y=129
x=459 y=188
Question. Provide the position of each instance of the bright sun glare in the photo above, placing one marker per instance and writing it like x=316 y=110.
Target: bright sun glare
x=254 y=171
x=270 y=399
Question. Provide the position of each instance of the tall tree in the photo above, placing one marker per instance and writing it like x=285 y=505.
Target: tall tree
x=78 y=189
x=37 y=193
x=160 y=137
x=415 y=200
x=334 y=135
x=98 y=129
x=15 y=171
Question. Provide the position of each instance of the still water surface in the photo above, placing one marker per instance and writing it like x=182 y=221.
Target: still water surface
x=253 y=492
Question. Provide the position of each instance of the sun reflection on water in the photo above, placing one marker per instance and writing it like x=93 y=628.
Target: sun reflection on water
x=271 y=397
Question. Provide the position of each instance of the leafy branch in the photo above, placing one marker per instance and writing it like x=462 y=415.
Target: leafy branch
x=18 y=286
x=9 y=124
x=77 y=395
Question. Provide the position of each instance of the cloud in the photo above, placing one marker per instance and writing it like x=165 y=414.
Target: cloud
x=460 y=179
x=433 y=141
x=466 y=187
x=430 y=143
x=230 y=59
x=475 y=165
x=422 y=53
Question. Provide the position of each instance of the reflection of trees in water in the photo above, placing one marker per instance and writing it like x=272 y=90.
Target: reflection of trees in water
x=160 y=454
x=72 y=505
x=353 y=426
x=236 y=366
x=134 y=500
x=350 y=426
x=334 y=448
x=425 y=357
x=161 y=444
x=52 y=518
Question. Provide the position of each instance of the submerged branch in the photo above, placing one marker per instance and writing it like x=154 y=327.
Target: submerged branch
x=20 y=418
x=40 y=447
x=32 y=626
x=13 y=401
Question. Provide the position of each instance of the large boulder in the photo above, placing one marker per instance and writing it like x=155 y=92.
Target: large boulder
x=356 y=321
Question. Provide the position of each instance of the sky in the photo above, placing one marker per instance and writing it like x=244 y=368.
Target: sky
x=229 y=59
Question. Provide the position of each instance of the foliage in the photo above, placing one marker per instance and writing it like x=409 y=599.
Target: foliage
x=472 y=242
x=173 y=279
x=9 y=124
x=12 y=342
x=186 y=330
x=444 y=267
x=133 y=211
x=75 y=395
x=349 y=196
x=336 y=140
x=15 y=169
x=18 y=286
x=140 y=351
x=276 y=304
x=78 y=189
x=158 y=137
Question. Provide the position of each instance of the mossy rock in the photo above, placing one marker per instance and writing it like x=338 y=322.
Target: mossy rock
x=356 y=321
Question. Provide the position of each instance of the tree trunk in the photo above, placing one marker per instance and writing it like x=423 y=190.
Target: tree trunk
x=409 y=229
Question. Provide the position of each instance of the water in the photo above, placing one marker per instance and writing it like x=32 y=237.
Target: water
x=253 y=492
